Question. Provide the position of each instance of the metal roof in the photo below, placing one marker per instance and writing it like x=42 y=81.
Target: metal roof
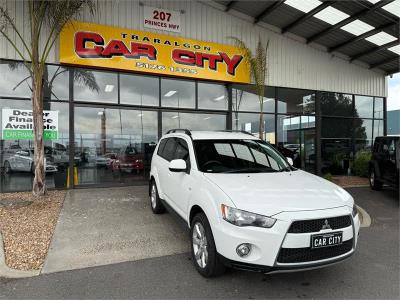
x=376 y=17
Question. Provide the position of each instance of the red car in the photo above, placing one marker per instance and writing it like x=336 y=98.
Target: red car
x=128 y=159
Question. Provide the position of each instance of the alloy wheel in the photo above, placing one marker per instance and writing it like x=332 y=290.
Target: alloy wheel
x=199 y=241
x=372 y=178
x=153 y=196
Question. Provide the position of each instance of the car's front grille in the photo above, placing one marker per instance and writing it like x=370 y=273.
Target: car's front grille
x=306 y=226
x=299 y=255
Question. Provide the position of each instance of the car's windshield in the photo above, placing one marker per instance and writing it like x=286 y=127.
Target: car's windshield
x=238 y=156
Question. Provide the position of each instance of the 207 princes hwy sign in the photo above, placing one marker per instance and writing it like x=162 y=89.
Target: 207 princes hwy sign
x=17 y=124
x=123 y=49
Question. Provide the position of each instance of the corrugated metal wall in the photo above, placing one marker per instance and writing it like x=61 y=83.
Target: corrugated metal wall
x=291 y=63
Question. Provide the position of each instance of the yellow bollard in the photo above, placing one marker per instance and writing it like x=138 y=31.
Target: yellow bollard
x=75 y=176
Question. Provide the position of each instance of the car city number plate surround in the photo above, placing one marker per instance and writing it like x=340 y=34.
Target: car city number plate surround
x=326 y=239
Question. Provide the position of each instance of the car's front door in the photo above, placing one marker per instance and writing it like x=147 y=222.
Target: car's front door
x=180 y=183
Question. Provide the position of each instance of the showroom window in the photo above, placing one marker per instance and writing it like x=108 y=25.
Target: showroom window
x=250 y=122
x=245 y=98
x=363 y=133
x=56 y=83
x=95 y=86
x=212 y=96
x=139 y=90
x=15 y=79
x=192 y=121
x=378 y=108
x=363 y=106
x=295 y=101
x=336 y=104
x=17 y=154
x=178 y=93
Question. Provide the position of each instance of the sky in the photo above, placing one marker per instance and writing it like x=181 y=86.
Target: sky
x=393 y=100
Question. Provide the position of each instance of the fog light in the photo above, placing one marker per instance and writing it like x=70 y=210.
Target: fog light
x=243 y=250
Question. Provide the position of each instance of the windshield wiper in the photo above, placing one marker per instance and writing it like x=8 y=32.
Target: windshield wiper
x=250 y=170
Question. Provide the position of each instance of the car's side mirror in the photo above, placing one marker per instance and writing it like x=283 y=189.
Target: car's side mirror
x=289 y=160
x=177 y=165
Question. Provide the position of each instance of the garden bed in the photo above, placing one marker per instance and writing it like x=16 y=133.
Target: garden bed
x=27 y=225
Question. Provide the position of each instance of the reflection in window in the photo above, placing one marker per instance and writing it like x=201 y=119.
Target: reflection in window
x=336 y=104
x=95 y=86
x=363 y=106
x=15 y=80
x=56 y=83
x=378 y=128
x=244 y=98
x=192 y=121
x=250 y=122
x=16 y=156
x=178 y=93
x=296 y=101
x=378 y=108
x=139 y=90
x=338 y=128
x=212 y=96
x=114 y=145
x=363 y=133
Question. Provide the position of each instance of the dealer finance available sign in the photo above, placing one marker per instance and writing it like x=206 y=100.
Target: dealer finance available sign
x=116 y=48
x=17 y=124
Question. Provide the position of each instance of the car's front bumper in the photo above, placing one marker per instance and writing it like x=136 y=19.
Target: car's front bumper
x=267 y=243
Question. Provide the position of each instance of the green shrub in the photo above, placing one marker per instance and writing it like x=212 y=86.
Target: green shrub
x=360 y=164
x=328 y=176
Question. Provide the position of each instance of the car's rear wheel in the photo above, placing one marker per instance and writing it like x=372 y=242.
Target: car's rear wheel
x=7 y=167
x=374 y=183
x=204 y=252
x=156 y=205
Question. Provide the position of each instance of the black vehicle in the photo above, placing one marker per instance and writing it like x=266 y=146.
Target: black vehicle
x=385 y=162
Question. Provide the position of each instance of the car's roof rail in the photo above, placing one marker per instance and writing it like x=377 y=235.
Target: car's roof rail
x=237 y=131
x=186 y=131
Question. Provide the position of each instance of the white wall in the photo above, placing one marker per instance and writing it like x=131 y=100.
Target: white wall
x=291 y=63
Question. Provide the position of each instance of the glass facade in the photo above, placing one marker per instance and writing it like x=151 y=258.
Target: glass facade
x=110 y=122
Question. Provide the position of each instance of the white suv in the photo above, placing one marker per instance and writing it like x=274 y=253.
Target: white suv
x=247 y=207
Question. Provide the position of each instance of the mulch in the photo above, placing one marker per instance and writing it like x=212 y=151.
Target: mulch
x=27 y=225
x=350 y=181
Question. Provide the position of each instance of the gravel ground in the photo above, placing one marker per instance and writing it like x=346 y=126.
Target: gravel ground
x=27 y=225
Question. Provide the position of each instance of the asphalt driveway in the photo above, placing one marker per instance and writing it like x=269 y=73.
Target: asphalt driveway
x=372 y=273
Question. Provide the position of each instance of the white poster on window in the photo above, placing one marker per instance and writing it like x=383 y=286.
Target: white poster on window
x=162 y=19
x=17 y=124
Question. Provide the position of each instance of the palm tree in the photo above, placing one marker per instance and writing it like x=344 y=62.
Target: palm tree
x=258 y=70
x=46 y=20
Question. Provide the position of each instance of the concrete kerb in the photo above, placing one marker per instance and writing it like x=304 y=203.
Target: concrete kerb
x=7 y=272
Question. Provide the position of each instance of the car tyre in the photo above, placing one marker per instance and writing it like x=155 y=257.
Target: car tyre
x=374 y=183
x=155 y=202
x=204 y=253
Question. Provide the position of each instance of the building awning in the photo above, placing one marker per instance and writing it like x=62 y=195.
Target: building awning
x=366 y=31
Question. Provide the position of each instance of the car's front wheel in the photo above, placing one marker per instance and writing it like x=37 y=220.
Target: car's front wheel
x=156 y=205
x=204 y=252
x=374 y=183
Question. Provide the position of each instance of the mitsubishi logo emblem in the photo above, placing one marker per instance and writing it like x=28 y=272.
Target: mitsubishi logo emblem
x=326 y=225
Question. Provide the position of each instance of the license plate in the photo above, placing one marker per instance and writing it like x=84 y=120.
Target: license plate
x=326 y=239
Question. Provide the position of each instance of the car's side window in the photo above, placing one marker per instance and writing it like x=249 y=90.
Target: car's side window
x=161 y=147
x=169 y=149
x=182 y=151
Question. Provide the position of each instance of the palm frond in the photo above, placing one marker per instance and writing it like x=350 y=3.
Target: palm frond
x=86 y=77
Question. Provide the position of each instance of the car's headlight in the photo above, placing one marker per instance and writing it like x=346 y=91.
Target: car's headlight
x=355 y=211
x=244 y=218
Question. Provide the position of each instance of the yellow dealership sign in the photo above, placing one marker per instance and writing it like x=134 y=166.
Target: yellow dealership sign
x=101 y=46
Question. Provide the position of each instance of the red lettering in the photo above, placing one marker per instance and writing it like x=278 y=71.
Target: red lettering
x=184 y=57
x=82 y=37
x=231 y=63
x=115 y=48
x=138 y=50
x=212 y=60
